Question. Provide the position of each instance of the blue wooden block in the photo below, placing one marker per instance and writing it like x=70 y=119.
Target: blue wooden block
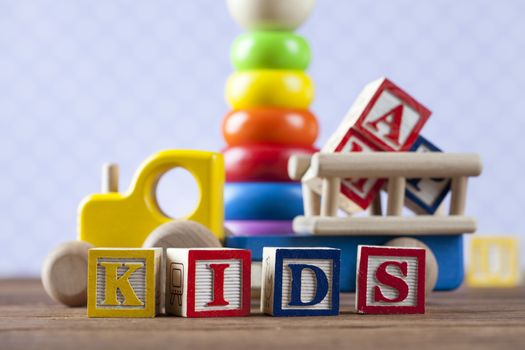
x=300 y=281
x=426 y=195
x=262 y=201
x=447 y=249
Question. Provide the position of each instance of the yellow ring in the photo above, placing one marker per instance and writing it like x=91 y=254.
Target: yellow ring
x=269 y=88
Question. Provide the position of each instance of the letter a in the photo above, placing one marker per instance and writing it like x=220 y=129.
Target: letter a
x=394 y=123
x=122 y=283
x=218 y=285
x=385 y=278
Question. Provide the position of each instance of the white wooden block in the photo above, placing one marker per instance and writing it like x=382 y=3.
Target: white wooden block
x=208 y=282
x=390 y=280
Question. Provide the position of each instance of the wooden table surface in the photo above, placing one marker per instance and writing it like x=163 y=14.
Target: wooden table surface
x=473 y=319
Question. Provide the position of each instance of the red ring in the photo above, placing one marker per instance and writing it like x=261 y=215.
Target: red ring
x=260 y=163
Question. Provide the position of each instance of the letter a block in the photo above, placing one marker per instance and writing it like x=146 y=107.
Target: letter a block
x=390 y=280
x=207 y=282
x=300 y=281
x=124 y=282
x=493 y=262
x=388 y=116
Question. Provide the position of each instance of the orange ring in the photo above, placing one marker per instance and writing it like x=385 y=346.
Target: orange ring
x=295 y=127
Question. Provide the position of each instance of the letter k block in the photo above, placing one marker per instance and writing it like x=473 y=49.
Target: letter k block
x=207 y=282
x=300 y=281
x=124 y=282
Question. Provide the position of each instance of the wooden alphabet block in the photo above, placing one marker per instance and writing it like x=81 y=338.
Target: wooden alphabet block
x=424 y=196
x=208 y=282
x=383 y=118
x=124 y=282
x=493 y=262
x=390 y=280
x=387 y=116
x=300 y=281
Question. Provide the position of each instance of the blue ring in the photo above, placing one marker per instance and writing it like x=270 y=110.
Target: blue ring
x=262 y=201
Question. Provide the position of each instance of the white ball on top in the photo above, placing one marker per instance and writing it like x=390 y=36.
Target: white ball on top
x=270 y=14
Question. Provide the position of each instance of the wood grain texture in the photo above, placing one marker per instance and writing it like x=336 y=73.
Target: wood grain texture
x=466 y=319
x=385 y=225
x=392 y=164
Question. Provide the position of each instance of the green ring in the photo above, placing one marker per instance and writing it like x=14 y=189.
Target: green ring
x=270 y=50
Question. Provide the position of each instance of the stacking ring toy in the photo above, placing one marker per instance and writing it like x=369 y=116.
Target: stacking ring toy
x=269 y=88
x=260 y=163
x=259 y=228
x=270 y=50
x=293 y=127
x=262 y=201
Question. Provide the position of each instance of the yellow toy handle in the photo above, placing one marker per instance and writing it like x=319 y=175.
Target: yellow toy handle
x=207 y=168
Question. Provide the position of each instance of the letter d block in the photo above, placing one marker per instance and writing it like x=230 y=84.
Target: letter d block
x=207 y=282
x=124 y=282
x=390 y=280
x=300 y=281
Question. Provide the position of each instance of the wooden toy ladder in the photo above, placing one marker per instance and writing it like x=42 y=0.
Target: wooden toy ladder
x=321 y=209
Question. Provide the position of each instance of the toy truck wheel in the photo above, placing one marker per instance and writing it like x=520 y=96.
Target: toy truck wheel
x=431 y=268
x=181 y=234
x=64 y=273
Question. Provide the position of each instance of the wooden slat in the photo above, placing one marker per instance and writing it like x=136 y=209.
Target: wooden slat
x=329 y=196
x=311 y=202
x=396 y=195
x=459 y=195
x=388 y=225
x=297 y=166
x=390 y=164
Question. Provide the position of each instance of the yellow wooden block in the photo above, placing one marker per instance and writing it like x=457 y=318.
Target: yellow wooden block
x=124 y=282
x=126 y=219
x=493 y=262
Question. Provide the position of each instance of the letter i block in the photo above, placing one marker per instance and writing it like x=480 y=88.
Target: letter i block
x=390 y=280
x=493 y=262
x=207 y=282
x=424 y=196
x=388 y=116
x=124 y=282
x=300 y=281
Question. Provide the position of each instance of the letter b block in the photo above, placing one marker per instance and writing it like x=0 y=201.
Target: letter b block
x=300 y=281
x=124 y=282
x=390 y=280
x=207 y=282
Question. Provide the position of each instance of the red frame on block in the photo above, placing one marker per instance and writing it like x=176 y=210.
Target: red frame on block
x=362 y=279
x=363 y=202
x=226 y=254
x=423 y=112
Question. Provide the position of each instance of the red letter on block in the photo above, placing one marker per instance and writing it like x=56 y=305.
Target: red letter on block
x=218 y=284
x=393 y=123
x=385 y=278
x=390 y=280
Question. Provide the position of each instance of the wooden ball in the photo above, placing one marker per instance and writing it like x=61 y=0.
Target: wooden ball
x=181 y=234
x=431 y=268
x=64 y=273
x=270 y=14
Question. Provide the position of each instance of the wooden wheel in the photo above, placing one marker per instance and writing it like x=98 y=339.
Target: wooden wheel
x=64 y=273
x=431 y=268
x=181 y=234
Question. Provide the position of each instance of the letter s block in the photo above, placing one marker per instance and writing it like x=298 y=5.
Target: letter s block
x=124 y=282
x=390 y=280
x=207 y=282
x=300 y=281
